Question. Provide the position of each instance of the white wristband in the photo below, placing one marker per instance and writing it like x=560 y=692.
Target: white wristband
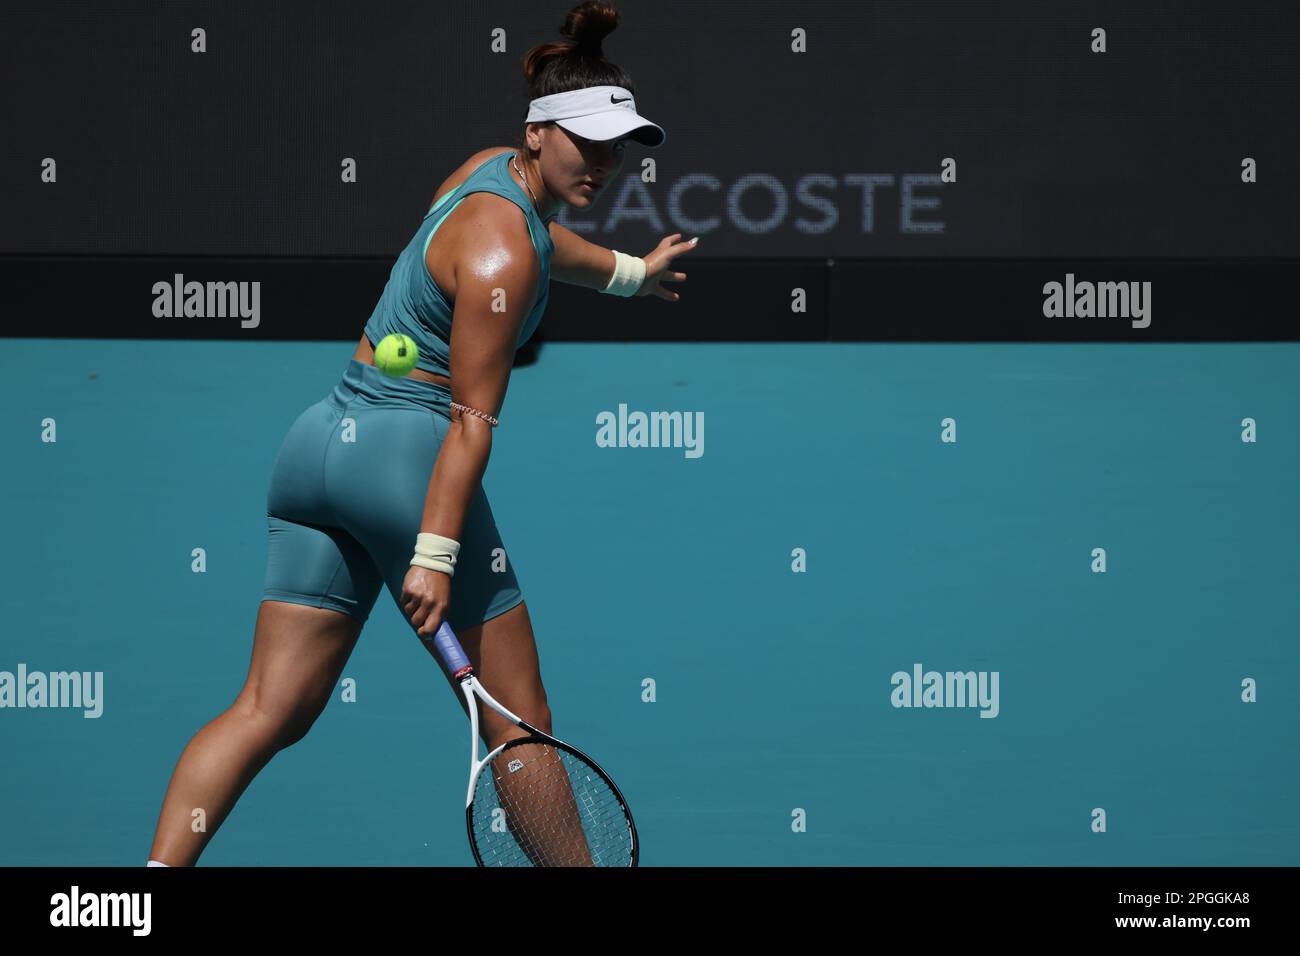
x=629 y=273
x=435 y=552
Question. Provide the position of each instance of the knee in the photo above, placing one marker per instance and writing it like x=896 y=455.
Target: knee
x=538 y=716
x=277 y=727
x=292 y=731
x=534 y=710
x=541 y=718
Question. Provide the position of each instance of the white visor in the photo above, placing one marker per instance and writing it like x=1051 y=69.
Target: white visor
x=597 y=113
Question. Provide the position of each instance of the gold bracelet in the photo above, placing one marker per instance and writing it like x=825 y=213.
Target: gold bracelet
x=474 y=411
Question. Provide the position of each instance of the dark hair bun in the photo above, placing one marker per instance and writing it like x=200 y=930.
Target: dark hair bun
x=575 y=60
x=588 y=24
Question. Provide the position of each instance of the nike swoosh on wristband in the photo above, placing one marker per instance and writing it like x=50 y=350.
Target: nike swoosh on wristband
x=623 y=100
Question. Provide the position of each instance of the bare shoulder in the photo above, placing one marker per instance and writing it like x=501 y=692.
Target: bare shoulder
x=493 y=221
x=493 y=250
x=485 y=242
x=493 y=233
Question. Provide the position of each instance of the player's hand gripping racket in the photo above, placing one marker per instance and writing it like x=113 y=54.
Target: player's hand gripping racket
x=535 y=800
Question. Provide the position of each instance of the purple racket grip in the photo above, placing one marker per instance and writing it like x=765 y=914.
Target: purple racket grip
x=449 y=649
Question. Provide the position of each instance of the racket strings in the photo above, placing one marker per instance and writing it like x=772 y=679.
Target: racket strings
x=538 y=805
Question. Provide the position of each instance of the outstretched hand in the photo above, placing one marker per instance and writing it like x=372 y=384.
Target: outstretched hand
x=658 y=263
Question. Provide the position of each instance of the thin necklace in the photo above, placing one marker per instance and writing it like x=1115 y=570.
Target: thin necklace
x=513 y=157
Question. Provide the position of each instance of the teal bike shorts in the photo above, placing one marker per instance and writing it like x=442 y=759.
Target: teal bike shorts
x=346 y=501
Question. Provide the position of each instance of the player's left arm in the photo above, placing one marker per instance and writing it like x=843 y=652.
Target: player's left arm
x=579 y=262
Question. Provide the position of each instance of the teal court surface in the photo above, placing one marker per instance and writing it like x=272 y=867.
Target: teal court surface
x=772 y=736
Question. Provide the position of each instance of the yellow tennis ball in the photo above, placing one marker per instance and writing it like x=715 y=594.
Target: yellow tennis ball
x=396 y=355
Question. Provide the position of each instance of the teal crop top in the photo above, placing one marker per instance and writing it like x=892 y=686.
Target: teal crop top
x=413 y=304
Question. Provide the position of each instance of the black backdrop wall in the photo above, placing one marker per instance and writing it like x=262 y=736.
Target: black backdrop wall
x=771 y=154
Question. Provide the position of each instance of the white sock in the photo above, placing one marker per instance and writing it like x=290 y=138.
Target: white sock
x=155 y=863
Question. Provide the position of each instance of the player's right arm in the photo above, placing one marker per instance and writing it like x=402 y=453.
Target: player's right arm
x=496 y=273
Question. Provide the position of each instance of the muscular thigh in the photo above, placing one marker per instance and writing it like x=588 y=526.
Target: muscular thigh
x=298 y=655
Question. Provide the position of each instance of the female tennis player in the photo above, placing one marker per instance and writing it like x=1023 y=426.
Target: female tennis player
x=379 y=483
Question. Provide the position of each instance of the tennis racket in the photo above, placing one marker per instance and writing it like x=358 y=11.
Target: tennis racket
x=535 y=800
